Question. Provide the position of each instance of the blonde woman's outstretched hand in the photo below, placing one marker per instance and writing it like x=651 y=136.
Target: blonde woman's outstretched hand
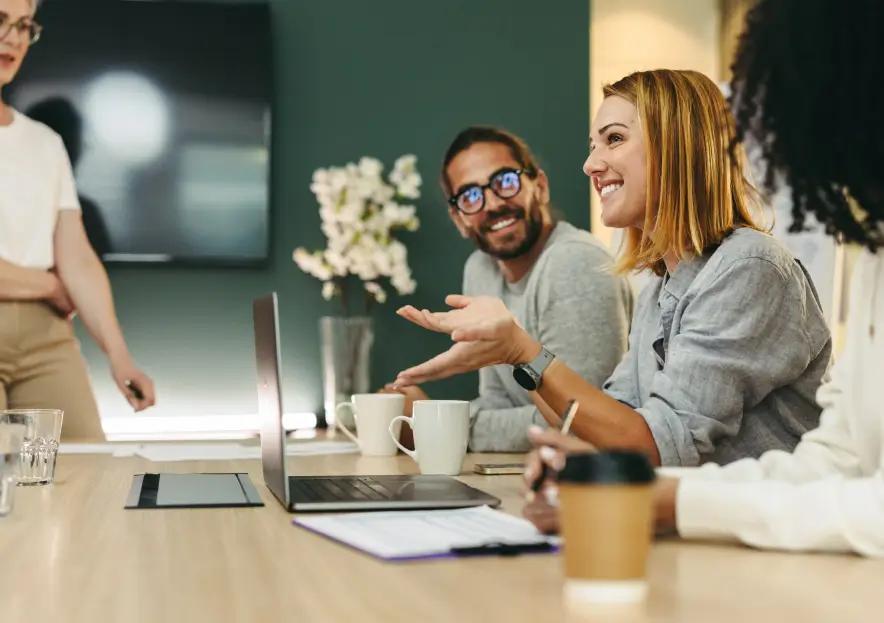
x=484 y=331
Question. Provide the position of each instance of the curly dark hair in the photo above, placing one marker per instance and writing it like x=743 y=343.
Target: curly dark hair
x=807 y=90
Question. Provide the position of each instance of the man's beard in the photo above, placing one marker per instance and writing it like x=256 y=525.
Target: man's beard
x=533 y=229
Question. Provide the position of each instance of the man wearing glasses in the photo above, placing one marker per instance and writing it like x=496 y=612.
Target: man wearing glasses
x=47 y=268
x=554 y=277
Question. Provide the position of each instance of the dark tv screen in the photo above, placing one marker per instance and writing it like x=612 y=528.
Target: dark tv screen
x=164 y=107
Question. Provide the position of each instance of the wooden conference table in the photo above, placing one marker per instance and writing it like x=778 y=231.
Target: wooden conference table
x=70 y=553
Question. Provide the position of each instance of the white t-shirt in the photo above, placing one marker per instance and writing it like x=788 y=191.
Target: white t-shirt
x=36 y=181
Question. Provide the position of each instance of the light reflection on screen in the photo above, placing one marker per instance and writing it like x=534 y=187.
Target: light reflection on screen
x=169 y=136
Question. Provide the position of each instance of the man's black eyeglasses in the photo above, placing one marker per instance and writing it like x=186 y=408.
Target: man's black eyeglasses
x=25 y=27
x=506 y=183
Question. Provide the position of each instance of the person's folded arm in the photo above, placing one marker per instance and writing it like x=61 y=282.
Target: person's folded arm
x=18 y=283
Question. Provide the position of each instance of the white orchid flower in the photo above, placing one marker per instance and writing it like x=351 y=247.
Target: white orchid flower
x=359 y=212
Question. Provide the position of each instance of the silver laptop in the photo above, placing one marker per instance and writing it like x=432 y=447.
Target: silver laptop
x=334 y=493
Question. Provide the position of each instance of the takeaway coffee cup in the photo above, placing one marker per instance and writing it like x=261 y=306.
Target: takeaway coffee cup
x=606 y=516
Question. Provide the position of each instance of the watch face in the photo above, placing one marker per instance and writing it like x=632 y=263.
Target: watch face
x=524 y=378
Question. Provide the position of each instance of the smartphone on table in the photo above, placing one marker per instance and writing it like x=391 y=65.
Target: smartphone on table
x=495 y=469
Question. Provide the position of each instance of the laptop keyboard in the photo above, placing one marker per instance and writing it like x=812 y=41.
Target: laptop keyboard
x=339 y=488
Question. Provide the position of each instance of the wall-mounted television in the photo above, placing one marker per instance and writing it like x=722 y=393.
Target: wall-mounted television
x=165 y=108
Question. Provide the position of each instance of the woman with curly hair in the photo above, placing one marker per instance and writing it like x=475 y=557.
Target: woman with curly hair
x=804 y=90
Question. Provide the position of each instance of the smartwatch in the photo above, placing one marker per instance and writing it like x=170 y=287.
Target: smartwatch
x=529 y=375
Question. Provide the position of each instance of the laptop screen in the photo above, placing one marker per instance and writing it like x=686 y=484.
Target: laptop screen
x=266 y=320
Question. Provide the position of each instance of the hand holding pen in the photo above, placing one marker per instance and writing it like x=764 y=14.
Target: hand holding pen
x=552 y=445
x=135 y=386
x=564 y=429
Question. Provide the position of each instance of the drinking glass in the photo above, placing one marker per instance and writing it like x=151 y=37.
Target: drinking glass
x=11 y=436
x=39 y=446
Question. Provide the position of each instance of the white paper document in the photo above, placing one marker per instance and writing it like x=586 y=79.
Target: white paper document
x=163 y=452
x=229 y=451
x=410 y=535
x=115 y=449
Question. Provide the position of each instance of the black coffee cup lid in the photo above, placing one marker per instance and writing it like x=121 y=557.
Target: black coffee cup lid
x=610 y=467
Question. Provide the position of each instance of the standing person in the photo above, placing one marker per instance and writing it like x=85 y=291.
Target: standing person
x=827 y=495
x=728 y=344
x=47 y=268
x=555 y=278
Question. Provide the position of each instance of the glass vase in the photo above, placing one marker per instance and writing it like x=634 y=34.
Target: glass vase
x=346 y=361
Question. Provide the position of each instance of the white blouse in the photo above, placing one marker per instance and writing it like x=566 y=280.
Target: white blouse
x=827 y=495
x=36 y=181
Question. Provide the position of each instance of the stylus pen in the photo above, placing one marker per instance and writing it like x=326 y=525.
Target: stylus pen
x=136 y=391
x=503 y=549
x=567 y=418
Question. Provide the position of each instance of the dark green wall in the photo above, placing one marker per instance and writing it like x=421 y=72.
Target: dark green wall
x=360 y=78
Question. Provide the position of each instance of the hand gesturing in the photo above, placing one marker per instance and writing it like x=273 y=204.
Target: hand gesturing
x=485 y=332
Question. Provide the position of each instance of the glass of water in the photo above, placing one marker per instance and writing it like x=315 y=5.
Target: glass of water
x=39 y=446
x=11 y=436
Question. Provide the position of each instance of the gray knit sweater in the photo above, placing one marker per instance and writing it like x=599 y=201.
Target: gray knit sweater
x=572 y=304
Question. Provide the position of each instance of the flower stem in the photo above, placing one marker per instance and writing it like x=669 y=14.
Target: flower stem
x=344 y=302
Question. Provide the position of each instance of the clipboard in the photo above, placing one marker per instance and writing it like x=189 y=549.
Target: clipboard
x=402 y=536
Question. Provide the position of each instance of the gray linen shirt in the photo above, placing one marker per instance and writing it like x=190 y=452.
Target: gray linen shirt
x=726 y=354
x=572 y=304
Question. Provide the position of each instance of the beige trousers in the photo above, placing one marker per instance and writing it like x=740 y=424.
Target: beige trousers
x=41 y=367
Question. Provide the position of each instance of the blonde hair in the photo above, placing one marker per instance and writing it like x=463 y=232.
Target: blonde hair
x=697 y=191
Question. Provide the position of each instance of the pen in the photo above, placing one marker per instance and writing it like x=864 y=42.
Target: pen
x=567 y=418
x=136 y=391
x=503 y=549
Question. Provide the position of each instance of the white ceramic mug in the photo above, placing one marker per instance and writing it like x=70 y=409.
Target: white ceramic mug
x=374 y=415
x=441 y=432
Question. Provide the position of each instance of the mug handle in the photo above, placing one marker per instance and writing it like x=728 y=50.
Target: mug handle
x=410 y=422
x=340 y=426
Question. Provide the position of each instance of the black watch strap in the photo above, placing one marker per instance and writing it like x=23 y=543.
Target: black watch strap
x=530 y=375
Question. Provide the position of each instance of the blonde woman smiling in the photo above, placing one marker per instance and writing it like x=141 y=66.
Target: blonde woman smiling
x=728 y=344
